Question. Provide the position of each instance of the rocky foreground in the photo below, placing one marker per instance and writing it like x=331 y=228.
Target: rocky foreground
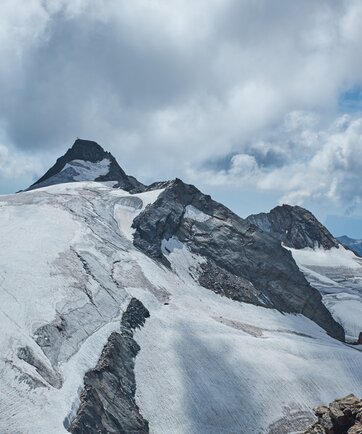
x=342 y=416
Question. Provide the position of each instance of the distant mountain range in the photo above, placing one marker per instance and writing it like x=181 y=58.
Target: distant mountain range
x=134 y=308
x=351 y=243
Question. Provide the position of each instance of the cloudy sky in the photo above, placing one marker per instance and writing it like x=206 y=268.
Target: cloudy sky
x=257 y=102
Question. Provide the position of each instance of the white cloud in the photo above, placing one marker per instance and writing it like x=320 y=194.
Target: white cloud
x=322 y=164
x=15 y=164
x=186 y=84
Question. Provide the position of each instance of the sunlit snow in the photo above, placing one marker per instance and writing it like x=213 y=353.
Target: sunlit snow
x=86 y=170
x=195 y=214
x=207 y=364
x=337 y=274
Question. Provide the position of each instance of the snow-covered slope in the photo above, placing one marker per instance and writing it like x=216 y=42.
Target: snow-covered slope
x=337 y=274
x=329 y=267
x=88 y=161
x=351 y=243
x=206 y=364
x=59 y=299
x=79 y=170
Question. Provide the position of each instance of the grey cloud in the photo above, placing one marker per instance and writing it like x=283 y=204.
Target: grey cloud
x=208 y=91
x=85 y=59
x=82 y=64
x=325 y=168
x=268 y=156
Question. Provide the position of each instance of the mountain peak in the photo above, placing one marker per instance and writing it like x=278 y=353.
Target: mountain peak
x=86 y=160
x=86 y=150
x=295 y=227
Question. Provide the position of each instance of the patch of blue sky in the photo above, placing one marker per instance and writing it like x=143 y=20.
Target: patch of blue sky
x=345 y=225
x=350 y=101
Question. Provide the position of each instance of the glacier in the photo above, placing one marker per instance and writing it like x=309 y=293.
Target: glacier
x=207 y=364
x=337 y=274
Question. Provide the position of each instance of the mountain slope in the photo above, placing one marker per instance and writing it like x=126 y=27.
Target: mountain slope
x=352 y=244
x=226 y=346
x=328 y=266
x=241 y=261
x=87 y=161
x=295 y=227
x=64 y=302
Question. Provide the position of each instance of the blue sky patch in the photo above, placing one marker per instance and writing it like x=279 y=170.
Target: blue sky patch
x=351 y=100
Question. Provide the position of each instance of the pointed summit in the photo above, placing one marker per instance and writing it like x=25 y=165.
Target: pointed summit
x=88 y=161
x=295 y=227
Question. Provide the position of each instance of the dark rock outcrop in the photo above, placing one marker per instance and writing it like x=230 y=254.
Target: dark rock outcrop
x=228 y=284
x=107 y=403
x=359 y=341
x=87 y=150
x=263 y=271
x=134 y=316
x=51 y=376
x=342 y=416
x=295 y=227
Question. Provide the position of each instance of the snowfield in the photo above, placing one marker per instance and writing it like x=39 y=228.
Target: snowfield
x=207 y=364
x=195 y=214
x=337 y=274
x=86 y=170
x=79 y=170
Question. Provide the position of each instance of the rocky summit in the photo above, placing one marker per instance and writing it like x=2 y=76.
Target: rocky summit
x=133 y=308
x=295 y=227
x=87 y=161
x=331 y=265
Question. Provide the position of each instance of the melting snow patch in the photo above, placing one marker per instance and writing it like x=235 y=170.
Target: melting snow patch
x=88 y=171
x=183 y=262
x=319 y=257
x=347 y=310
x=129 y=206
x=195 y=214
x=336 y=273
x=125 y=211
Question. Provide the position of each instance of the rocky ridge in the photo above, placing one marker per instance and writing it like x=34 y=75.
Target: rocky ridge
x=295 y=227
x=107 y=403
x=242 y=262
x=342 y=416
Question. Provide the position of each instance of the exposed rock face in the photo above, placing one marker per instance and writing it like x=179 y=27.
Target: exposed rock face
x=359 y=341
x=342 y=416
x=134 y=316
x=254 y=266
x=295 y=227
x=107 y=403
x=228 y=284
x=87 y=151
x=52 y=377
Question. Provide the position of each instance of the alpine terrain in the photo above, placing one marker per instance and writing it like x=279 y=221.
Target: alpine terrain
x=128 y=308
x=352 y=244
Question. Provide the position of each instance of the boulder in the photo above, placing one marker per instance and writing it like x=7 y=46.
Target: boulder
x=342 y=416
